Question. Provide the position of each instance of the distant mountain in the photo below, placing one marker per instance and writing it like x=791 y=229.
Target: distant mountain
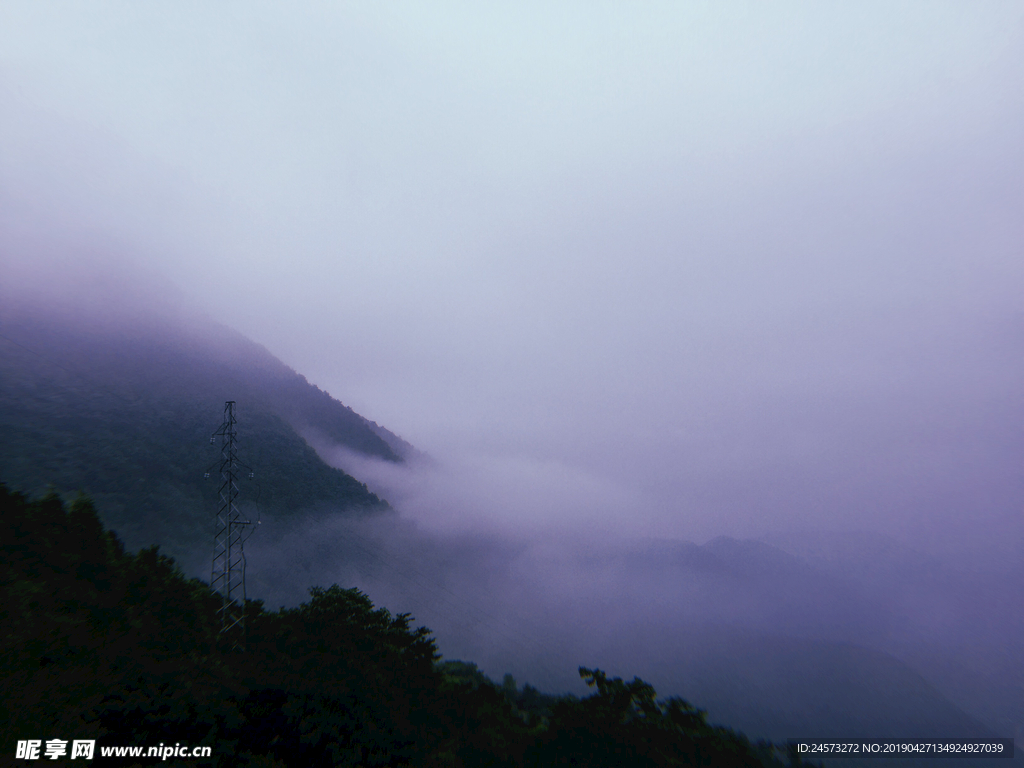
x=122 y=406
x=958 y=616
x=784 y=687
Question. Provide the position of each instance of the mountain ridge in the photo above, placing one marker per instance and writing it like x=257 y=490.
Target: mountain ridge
x=123 y=408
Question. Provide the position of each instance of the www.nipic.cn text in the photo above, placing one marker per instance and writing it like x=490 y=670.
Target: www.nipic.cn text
x=54 y=749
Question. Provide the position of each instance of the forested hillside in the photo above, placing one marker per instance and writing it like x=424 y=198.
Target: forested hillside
x=121 y=648
x=124 y=411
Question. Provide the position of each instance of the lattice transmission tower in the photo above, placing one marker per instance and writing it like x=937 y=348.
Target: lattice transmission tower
x=228 y=575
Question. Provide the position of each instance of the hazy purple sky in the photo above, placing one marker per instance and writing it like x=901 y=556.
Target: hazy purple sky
x=681 y=271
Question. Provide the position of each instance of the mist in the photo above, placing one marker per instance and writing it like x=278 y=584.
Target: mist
x=627 y=279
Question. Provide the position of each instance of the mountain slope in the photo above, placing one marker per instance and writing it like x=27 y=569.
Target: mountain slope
x=124 y=411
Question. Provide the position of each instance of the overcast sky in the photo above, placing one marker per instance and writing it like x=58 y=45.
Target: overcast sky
x=678 y=269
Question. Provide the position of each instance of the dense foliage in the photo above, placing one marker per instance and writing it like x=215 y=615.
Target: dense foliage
x=99 y=643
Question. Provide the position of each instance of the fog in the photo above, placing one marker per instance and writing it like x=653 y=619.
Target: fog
x=622 y=275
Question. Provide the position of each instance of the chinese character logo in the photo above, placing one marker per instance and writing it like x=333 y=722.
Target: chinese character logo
x=83 y=749
x=29 y=750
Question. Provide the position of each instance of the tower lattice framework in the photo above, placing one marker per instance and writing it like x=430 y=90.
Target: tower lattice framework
x=228 y=574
